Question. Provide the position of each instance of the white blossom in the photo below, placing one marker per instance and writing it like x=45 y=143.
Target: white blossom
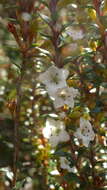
x=53 y=78
x=64 y=164
x=26 y=16
x=85 y=132
x=58 y=137
x=55 y=132
x=64 y=96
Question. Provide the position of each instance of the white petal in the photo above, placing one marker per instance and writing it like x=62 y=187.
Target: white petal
x=86 y=142
x=64 y=136
x=46 y=132
x=65 y=73
x=54 y=140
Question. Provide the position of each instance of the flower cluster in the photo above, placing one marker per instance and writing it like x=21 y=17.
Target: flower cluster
x=85 y=132
x=55 y=81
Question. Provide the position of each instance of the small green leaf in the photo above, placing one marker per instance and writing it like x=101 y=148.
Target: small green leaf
x=45 y=18
x=46 y=35
x=72 y=177
x=19 y=185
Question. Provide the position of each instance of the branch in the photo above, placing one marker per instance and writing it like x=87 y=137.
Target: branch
x=17 y=122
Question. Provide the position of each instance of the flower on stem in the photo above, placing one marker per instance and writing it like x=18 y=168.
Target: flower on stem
x=85 y=132
x=64 y=96
x=53 y=78
x=55 y=132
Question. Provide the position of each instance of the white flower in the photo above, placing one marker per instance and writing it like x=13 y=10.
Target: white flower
x=64 y=96
x=64 y=164
x=53 y=78
x=85 y=132
x=26 y=16
x=58 y=137
x=75 y=34
x=55 y=132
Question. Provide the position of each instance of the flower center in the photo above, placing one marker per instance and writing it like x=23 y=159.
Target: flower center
x=66 y=162
x=55 y=78
x=85 y=131
x=62 y=94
